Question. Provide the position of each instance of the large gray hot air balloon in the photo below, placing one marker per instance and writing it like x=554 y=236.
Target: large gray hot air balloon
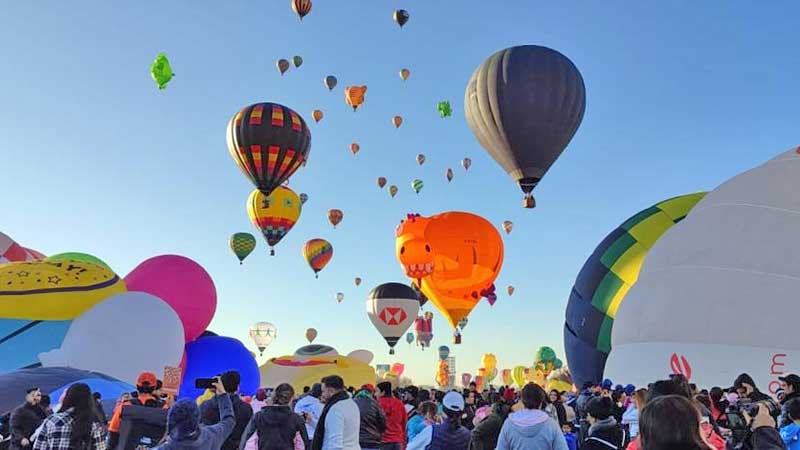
x=524 y=104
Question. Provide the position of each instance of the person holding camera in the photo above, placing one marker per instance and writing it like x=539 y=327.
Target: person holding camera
x=210 y=409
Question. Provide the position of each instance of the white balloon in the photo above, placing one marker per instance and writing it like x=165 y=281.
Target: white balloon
x=364 y=356
x=115 y=339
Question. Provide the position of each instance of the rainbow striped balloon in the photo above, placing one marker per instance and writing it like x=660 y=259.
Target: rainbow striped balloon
x=318 y=253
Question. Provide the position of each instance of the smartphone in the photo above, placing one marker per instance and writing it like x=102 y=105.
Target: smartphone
x=204 y=383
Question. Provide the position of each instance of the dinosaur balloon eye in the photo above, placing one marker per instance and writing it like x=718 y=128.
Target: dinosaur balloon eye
x=402 y=250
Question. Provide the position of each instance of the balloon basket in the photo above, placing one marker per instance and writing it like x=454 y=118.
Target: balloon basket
x=272 y=252
x=529 y=203
x=391 y=351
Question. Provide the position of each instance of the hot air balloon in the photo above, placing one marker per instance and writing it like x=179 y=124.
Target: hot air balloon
x=161 y=71
x=444 y=352
x=463 y=323
x=297 y=60
x=519 y=375
x=506 y=377
x=524 y=104
x=404 y=74
x=268 y=142
x=274 y=215
x=262 y=334
x=409 y=337
x=508 y=226
x=465 y=163
x=301 y=7
x=392 y=308
x=455 y=256
x=398 y=369
x=317 y=115
x=420 y=159
x=339 y=297
x=330 y=82
x=381 y=182
x=417 y=185
x=311 y=334
x=355 y=148
x=397 y=121
x=392 y=190
x=444 y=108
x=489 y=362
x=303 y=198
x=354 y=95
x=335 y=216
x=401 y=16
x=357 y=281
x=318 y=253
x=282 y=65
x=424 y=328
x=510 y=290
x=449 y=174
x=465 y=379
x=242 y=244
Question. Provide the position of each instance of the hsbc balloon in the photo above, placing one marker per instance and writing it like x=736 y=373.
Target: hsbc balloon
x=392 y=308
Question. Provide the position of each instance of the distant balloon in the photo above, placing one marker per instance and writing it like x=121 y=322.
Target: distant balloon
x=463 y=323
x=354 y=95
x=262 y=334
x=303 y=198
x=444 y=352
x=357 y=281
x=417 y=185
x=381 y=182
x=524 y=105
x=420 y=159
x=301 y=7
x=311 y=334
x=317 y=253
x=297 y=60
x=404 y=74
x=466 y=162
x=401 y=16
x=317 y=115
x=410 y=337
x=282 y=65
x=161 y=71
x=508 y=226
x=392 y=190
x=330 y=82
x=397 y=121
x=242 y=244
x=449 y=174
x=510 y=290
x=444 y=108
x=274 y=215
x=335 y=216
x=339 y=297
x=355 y=148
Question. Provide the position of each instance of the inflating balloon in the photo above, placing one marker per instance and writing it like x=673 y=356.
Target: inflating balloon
x=317 y=115
x=268 y=142
x=392 y=190
x=398 y=369
x=392 y=308
x=311 y=334
x=524 y=104
x=297 y=61
x=381 y=182
x=242 y=244
x=354 y=95
x=397 y=121
x=301 y=7
x=449 y=174
x=444 y=352
x=443 y=373
x=96 y=341
x=335 y=216
x=161 y=71
x=317 y=253
x=417 y=185
x=218 y=354
x=465 y=163
x=508 y=226
x=355 y=148
x=444 y=108
x=303 y=198
x=339 y=297
x=420 y=159
x=404 y=74
x=401 y=16
x=455 y=256
x=11 y=251
x=309 y=364
x=183 y=284
x=282 y=65
x=357 y=281
x=330 y=82
x=274 y=215
x=263 y=334
x=75 y=256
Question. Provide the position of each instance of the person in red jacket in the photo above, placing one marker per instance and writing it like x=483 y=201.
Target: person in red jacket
x=394 y=438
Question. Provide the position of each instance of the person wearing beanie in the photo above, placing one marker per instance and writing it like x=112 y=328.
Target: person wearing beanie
x=277 y=425
x=373 y=420
x=396 y=418
x=530 y=428
x=184 y=431
x=310 y=408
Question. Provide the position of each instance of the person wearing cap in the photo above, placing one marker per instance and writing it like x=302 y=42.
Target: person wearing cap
x=310 y=408
x=396 y=418
x=373 y=420
x=531 y=428
x=448 y=435
x=791 y=390
x=26 y=419
x=145 y=386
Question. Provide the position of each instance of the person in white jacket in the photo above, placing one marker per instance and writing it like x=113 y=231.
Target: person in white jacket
x=340 y=422
x=310 y=407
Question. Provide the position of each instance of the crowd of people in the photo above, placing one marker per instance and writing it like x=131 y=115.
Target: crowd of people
x=669 y=414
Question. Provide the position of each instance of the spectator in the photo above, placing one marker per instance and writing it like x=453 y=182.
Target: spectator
x=469 y=410
x=98 y=407
x=373 y=420
x=145 y=385
x=790 y=433
x=671 y=422
x=310 y=407
x=277 y=425
x=561 y=411
x=242 y=412
x=791 y=390
x=531 y=428
x=604 y=431
x=426 y=417
x=450 y=434
x=631 y=416
x=396 y=418
x=339 y=424
x=570 y=436
x=485 y=434
x=26 y=419
x=75 y=426
x=746 y=388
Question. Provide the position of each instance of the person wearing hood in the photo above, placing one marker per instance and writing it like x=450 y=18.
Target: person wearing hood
x=310 y=408
x=26 y=419
x=604 y=431
x=531 y=428
x=277 y=425
x=746 y=388
x=184 y=431
x=209 y=411
x=448 y=435
x=791 y=390
x=373 y=420
x=790 y=433
x=486 y=432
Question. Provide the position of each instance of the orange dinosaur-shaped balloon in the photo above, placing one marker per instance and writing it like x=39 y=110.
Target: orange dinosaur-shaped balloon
x=455 y=257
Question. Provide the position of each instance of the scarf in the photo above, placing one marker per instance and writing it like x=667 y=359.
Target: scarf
x=319 y=432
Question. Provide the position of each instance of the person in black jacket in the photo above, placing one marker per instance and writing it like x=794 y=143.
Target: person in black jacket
x=791 y=389
x=26 y=419
x=604 y=431
x=373 y=419
x=485 y=434
x=561 y=412
x=276 y=424
x=209 y=410
x=746 y=388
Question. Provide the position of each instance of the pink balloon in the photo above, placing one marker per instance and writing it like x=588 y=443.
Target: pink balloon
x=183 y=284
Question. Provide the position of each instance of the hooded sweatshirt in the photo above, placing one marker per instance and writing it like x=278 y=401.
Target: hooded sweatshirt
x=181 y=419
x=791 y=436
x=276 y=427
x=531 y=429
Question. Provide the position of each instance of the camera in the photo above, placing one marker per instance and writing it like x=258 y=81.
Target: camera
x=735 y=412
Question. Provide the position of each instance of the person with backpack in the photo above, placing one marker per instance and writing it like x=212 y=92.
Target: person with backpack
x=209 y=410
x=145 y=385
x=75 y=426
x=277 y=425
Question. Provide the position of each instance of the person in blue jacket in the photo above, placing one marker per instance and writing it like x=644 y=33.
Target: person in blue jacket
x=791 y=433
x=183 y=424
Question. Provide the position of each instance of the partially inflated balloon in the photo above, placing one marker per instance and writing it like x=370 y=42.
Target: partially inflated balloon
x=404 y=74
x=183 y=284
x=392 y=308
x=274 y=215
x=161 y=71
x=505 y=376
x=298 y=61
x=420 y=159
x=397 y=121
x=11 y=251
x=398 y=369
x=354 y=95
x=524 y=104
x=355 y=148
x=335 y=216
x=489 y=362
x=449 y=174
x=282 y=65
x=401 y=16
x=465 y=163
x=330 y=82
x=317 y=115
x=381 y=182
x=262 y=334
x=311 y=334
x=393 y=190
x=301 y=7
x=242 y=244
x=75 y=256
x=417 y=185
x=317 y=253
x=465 y=379
x=218 y=354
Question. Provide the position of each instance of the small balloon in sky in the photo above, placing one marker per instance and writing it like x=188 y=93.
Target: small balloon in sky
x=298 y=61
x=282 y=65
x=444 y=109
x=161 y=71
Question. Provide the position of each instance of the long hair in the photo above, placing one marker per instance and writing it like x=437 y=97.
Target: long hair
x=283 y=394
x=453 y=418
x=670 y=422
x=79 y=400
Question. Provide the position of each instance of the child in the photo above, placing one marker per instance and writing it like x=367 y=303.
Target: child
x=791 y=433
x=569 y=436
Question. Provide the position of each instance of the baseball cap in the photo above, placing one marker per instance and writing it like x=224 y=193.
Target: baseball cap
x=147 y=378
x=368 y=387
x=791 y=379
x=453 y=401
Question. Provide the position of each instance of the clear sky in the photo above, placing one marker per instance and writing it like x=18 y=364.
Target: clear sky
x=681 y=96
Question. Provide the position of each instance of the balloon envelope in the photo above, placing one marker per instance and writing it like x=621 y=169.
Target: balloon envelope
x=217 y=354
x=392 y=308
x=75 y=256
x=242 y=244
x=263 y=334
x=317 y=253
x=330 y=82
x=311 y=334
x=274 y=215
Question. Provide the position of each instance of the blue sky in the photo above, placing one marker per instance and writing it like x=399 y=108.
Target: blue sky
x=680 y=96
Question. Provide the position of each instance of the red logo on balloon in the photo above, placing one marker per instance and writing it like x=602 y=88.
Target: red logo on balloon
x=680 y=366
x=393 y=316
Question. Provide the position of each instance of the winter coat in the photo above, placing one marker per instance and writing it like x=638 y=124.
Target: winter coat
x=276 y=427
x=485 y=434
x=242 y=412
x=785 y=420
x=373 y=422
x=530 y=429
x=791 y=436
x=605 y=434
x=211 y=437
x=24 y=421
x=312 y=407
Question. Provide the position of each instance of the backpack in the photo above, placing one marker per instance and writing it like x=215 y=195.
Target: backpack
x=141 y=427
